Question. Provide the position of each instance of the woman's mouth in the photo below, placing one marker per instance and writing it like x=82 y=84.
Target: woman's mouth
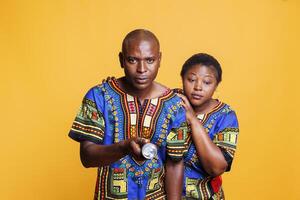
x=197 y=96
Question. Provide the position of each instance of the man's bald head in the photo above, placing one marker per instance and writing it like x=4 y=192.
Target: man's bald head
x=139 y=34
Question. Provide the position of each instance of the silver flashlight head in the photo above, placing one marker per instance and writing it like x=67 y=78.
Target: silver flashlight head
x=149 y=151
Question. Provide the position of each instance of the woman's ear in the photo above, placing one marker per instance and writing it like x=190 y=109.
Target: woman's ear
x=159 y=58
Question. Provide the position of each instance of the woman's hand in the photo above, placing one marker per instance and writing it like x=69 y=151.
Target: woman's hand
x=190 y=113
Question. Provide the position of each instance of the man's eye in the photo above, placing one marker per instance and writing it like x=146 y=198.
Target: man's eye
x=191 y=80
x=131 y=60
x=150 y=60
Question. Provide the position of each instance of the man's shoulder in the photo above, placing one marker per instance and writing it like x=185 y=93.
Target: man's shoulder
x=103 y=83
x=100 y=88
x=160 y=89
x=160 y=86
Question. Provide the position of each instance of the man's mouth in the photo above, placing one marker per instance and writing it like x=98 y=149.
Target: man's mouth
x=141 y=79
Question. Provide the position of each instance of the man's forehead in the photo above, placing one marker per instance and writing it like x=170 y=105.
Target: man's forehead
x=138 y=36
x=142 y=45
x=141 y=41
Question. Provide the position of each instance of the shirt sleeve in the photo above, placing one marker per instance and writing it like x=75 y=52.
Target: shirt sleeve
x=226 y=138
x=89 y=122
x=178 y=137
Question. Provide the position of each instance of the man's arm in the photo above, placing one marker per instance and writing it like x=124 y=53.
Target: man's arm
x=94 y=155
x=174 y=179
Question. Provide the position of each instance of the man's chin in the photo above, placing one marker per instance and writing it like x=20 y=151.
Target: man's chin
x=141 y=87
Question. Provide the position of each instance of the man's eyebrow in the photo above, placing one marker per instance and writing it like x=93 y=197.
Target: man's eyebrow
x=131 y=57
x=151 y=56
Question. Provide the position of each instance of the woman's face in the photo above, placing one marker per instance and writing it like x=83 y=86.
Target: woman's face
x=199 y=84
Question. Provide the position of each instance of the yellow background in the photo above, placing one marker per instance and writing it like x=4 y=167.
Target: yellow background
x=52 y=52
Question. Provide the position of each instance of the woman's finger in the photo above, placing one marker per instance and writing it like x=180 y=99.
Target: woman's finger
x=183 y=98
x=184 y=105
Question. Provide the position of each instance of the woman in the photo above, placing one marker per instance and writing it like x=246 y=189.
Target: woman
x=213 y=126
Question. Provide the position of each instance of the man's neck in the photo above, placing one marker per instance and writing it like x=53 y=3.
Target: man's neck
x=153 y=91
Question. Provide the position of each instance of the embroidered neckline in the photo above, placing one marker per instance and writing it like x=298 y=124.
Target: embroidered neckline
x=139 y=121
x=204 y=116
x=116 y=85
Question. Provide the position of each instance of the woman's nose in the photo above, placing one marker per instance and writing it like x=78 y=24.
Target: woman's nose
x=198 y=85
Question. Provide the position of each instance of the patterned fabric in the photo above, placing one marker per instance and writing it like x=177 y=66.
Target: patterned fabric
x=222 y=127
x=109 y=115
x=178 y=141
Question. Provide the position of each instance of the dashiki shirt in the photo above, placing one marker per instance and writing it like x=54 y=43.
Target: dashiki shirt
x=222 y=127
x=108 y=115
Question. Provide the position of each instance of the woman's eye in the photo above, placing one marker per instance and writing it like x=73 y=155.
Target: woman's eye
x=207 y=82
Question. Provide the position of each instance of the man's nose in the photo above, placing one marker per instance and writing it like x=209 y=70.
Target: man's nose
x=141 y=68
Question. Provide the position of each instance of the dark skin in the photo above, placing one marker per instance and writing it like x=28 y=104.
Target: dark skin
x=140 y=59
x=199 y=85
x=174 y=179
x=93 y=155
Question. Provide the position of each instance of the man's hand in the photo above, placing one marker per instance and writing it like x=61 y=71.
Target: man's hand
x=133 y=147
x=95 y=155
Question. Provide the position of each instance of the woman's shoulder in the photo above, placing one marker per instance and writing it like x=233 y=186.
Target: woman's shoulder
x=227 y=115
x=225 y=108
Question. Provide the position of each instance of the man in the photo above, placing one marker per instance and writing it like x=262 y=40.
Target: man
x=119 y=116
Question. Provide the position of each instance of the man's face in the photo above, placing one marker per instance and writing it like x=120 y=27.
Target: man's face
x=140 y=59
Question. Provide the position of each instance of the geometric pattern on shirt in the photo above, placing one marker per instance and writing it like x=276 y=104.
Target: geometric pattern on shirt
x=202 y=189
x=155 y=187
x=225 y=139
x=89 y=121
x=162 y=113
x=145 y=121
x=178 y=140
x=139 y=124
x=112 y=183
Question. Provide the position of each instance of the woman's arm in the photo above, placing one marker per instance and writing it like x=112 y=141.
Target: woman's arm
x=209 y=154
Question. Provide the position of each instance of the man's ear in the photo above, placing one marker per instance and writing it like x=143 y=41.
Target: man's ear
x=159 y=58
x=121 y=59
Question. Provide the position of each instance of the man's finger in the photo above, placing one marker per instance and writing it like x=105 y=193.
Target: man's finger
x=136 y=149
x=142 y=141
